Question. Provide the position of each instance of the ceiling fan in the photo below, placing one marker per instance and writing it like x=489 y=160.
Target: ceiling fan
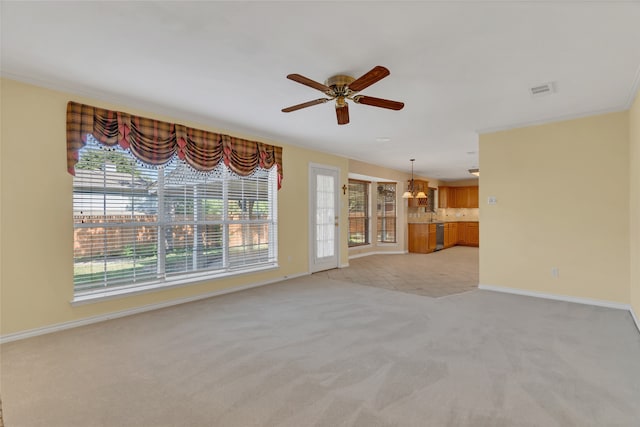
x=343 y=87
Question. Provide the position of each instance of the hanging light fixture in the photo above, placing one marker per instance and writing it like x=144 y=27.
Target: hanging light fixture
x=411 y=191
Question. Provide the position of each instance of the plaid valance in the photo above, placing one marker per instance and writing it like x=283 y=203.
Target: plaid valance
x=155 y=142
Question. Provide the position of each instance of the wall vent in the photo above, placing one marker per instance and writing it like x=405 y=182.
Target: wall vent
x=543 y=89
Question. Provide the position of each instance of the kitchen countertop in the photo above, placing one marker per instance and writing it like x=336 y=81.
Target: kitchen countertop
x=418 y=221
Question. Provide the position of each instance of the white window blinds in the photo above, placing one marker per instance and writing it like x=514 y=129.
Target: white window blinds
x=135 y=225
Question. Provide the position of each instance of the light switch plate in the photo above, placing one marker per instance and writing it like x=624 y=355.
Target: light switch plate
x=491 y=200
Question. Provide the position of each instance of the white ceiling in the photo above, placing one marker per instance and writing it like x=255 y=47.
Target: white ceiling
x=460 y=67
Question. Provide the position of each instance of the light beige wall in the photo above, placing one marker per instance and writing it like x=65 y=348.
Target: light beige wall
x=36 y=222
x=363 y=168
x=634 y=200
x=2 y=156
x=562 y=194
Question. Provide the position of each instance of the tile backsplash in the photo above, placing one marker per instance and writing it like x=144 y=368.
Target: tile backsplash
x=450 y=214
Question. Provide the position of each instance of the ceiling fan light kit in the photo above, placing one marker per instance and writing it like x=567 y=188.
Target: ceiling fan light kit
x=342 y=88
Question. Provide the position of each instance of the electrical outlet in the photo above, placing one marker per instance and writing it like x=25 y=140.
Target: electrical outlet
x=555 y=272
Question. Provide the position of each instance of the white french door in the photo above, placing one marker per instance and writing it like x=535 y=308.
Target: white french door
x=324 y=213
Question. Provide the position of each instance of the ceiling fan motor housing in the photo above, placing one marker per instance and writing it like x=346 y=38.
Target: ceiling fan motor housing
x=340 y=84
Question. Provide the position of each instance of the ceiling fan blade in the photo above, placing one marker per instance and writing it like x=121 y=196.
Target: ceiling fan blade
x=378 y=102
x=305 y=105
x=342 y=113
x=377 y=73
x=308 y=82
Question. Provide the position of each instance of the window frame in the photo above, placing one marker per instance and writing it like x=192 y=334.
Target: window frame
x=380 y=219
x=165 y=278
x=365 y=228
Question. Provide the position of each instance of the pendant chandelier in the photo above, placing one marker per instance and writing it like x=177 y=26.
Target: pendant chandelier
x=411 y=191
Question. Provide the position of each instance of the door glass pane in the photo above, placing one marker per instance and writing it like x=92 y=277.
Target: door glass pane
x=325 y=216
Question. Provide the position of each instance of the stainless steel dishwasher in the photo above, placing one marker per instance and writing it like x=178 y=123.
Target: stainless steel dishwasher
x=439 y=236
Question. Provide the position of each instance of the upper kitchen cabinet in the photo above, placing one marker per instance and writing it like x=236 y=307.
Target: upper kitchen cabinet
x=444 y=197
x=458 y=197
x=461 y=199
x=473 y=197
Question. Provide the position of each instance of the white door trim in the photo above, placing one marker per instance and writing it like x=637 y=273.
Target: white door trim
x=311 y=220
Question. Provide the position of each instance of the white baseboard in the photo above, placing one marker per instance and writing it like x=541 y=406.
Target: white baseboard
x=566 y=298
x=101 y=318
x=363 y=254
x=343 y=265
x=635 y=318
x=107 y=316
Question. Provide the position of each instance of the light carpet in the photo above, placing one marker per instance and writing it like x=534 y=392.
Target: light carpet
x=319 y=352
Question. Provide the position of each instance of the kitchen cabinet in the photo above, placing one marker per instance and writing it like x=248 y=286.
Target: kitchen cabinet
x=462 y=233
x=453 y=234
x=473 y=234
x=468 y=234
x=458 y=197
x=419 y=238
x=422 y=236
x=461 y=199
x=447 y=238
x=444 y=197
x=474 y=197
x=432 y=238
x=450 y=234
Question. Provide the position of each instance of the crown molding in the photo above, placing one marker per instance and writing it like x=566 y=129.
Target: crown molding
x=139 y=104
x=553 y=120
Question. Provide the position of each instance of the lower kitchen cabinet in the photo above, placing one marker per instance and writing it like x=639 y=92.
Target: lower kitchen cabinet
x=419 y=238
x=462 y=233
x=450 y=234
x=468 y=234
x=422 y=236
x=432 y=238
x=473 y=234
x=453 y=234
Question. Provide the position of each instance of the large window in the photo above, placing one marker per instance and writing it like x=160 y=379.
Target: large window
x=136 y=226
x=358 y=213
x=386 y=212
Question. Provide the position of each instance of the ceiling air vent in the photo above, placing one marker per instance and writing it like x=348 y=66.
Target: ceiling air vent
x=541 y=90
